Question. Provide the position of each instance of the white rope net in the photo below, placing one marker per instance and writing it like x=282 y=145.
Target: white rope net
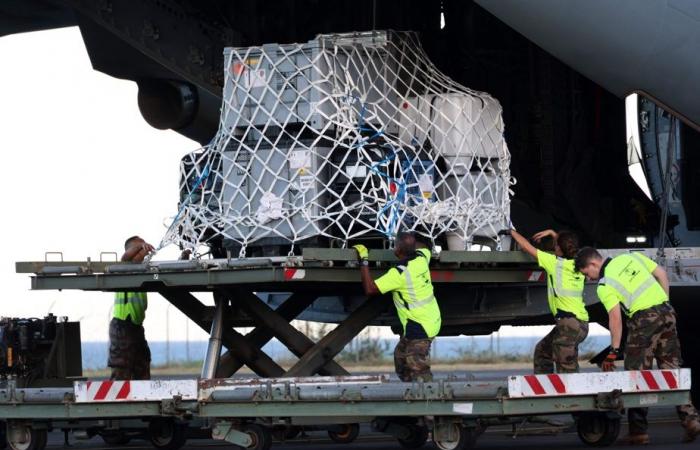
x=347 y=136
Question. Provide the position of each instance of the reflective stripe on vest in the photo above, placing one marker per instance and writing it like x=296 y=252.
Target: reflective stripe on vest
x=412 y=302
x=559 y=282
x=130 y=305
x=629 y=297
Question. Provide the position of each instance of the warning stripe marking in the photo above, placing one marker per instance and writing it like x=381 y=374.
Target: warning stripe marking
x=635 y=381
x=103 y=390
x=124 y=391
x=294 y=274
x=536 y=275
x=649 y=379
x=557 y=383
x=535 y=385
x=670 y=379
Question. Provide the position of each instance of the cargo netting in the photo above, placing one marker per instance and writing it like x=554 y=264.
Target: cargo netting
x=345 y=137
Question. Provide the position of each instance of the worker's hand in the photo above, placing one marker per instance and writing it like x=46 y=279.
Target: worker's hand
x=608 y=364
x=362 y=251
x=537 y=237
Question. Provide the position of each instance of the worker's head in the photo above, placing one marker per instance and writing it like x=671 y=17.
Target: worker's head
x=566 y=244
x=132 y=241
x=405 y=245
x=588 y=261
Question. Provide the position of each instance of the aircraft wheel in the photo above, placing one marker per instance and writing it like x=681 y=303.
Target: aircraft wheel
x=345 y=434
x=166 y=434
x=598 y=429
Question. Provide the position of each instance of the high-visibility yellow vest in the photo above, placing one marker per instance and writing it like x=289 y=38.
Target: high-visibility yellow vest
x=627 y=279
x=412 y=292
x=130 y=306
x=564 y=285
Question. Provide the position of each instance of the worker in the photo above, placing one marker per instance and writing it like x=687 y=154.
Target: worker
x=129 y=355
x=636 y=285
x=412 y=291
x=565 y=297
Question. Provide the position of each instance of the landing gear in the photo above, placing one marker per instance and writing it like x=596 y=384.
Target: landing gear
x=344 y=434
x=166 y=434
x=598 y=429
x=260 y=436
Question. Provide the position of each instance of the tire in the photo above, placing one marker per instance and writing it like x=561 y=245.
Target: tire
x=598 y=429
x=166 y=434
x=261 y=436
x=417 y=438
x=3 y=435
x=463 y=438
x=115 y=438
x=347 y=433
x=284 y=433
x=32 y=439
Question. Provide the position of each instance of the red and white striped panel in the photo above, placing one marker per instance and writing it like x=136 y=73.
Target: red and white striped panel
x=536 y=275
x=294 y=274
x=596 y=382
x=135 y=390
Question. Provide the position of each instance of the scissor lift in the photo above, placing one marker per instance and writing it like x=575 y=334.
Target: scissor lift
x=244 y=412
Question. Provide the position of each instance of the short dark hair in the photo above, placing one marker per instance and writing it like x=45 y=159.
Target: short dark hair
x=129 y=241
x=585 y=256
x=568 y=243
x=406 y=242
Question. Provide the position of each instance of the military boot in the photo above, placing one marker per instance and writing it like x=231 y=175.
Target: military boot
x=692 y=430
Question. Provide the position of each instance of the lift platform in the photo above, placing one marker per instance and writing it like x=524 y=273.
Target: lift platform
x=473 y=286
x=244 y=412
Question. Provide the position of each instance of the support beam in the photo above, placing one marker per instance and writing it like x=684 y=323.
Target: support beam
x=211 y=360
x=257 y=360
x=288 y=310
x=332 y=344
x=264 y=316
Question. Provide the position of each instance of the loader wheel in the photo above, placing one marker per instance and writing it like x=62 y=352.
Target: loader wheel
x=261 y=436
x=166 y=434
x=417 y=438
x=345 y=434
x=598 y=429
x=459 y=438
x=115 y=438
x=27 y=438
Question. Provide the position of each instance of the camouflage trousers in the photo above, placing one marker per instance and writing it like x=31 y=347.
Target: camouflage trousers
x=651 y=335
x=412 y=359
x=560 y=347
x=129 y=355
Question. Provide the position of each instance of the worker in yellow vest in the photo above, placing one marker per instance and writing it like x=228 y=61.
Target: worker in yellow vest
x=129 y=355
x=636 y=285
x=412 y=292
x=565 y=297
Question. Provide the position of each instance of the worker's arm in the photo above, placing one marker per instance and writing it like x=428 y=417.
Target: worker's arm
x=662 y=277
x=543 y=234
x=615 y=325
x=368 y=283
x=136 y=253
x=524 y=244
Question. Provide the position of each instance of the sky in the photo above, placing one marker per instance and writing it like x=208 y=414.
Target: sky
x=82 y=171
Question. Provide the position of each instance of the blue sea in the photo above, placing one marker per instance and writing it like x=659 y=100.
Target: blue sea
x=444 y=348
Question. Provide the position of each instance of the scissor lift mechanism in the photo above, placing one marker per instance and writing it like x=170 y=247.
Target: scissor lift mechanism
x=242 y=412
